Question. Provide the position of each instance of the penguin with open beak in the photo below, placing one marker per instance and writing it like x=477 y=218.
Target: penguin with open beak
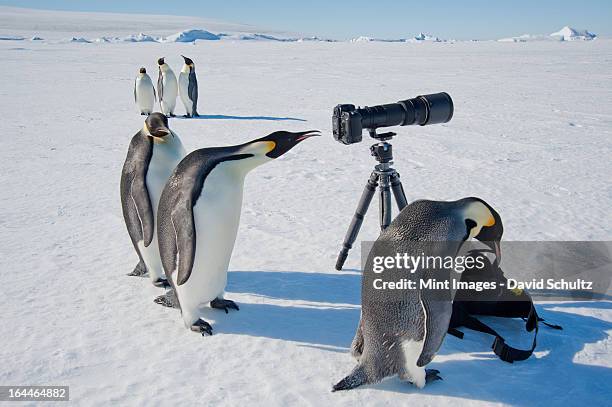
x=199 y=213
x=400 y=332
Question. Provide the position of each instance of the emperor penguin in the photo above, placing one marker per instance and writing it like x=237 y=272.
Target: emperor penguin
x=188 y=88
x=167 y=88
x=152 y=155
x=199 y=213
x=400 y=331
x=144 y=93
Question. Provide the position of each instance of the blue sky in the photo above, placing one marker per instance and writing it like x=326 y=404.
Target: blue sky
x=467 y=19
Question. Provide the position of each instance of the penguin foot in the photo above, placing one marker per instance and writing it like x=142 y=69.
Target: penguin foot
x=139 y=271
x=143 y=114
x=220 y=303
x=167 y=300
x=431 y=375
x=172 y=115
x=202 y=327
x=186 y=116
x=161 y=283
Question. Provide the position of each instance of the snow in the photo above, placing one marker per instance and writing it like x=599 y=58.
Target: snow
x=70 y=316
x=80 y=39
x=571 y=34
x=192 y=35
x=565 y=34
x=11 y=38
x=140 y=38
x=416 y=39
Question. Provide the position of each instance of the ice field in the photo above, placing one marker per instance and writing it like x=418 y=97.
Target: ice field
x=531 y=134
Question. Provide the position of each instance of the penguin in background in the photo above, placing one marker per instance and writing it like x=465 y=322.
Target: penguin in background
x=400 y=333
x=152 y=155
x=144 y=93
x=167 y=88
x=188 y=88
x=199 y=213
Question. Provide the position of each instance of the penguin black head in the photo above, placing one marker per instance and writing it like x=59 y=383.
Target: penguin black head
x=160 y=61
x=142 y=70
x=483 y=223
x=188 y=61
x=284 y=141
x=157 y=125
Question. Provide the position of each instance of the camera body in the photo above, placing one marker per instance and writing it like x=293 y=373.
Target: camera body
x=348 y=121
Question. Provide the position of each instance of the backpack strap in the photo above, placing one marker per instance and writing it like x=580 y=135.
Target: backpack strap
x=504 y=351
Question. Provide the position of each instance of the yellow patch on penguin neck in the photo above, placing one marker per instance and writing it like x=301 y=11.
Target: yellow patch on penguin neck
x=479 y=213
x=259 y=148
x=156 y=140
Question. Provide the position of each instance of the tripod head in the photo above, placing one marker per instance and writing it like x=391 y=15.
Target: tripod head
x=382 y=151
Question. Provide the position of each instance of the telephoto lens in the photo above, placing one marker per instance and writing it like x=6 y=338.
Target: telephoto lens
x=428 y=109
x=349 y=122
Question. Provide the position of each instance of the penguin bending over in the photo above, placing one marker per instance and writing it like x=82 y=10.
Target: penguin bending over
x=153 y=153
x=400 y=332
x=167 y=88
x=188 y=88
x=144 y=93
x=199 y=213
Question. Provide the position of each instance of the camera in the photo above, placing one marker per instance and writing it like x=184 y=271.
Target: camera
x=348 y=122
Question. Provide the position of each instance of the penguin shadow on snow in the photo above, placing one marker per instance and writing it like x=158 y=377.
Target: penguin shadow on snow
x=224 y=117
x=330 y=325
x=553 y=377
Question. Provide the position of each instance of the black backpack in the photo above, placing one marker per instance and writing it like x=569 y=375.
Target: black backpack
x=503 y=303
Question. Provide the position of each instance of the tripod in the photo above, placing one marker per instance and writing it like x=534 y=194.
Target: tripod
x=384 y=177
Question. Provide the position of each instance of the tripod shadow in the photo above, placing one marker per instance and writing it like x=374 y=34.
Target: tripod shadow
x=224 y=117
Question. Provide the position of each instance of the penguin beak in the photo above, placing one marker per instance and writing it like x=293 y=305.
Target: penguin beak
x=161 y=132
x=494 y=246
x=308 y=134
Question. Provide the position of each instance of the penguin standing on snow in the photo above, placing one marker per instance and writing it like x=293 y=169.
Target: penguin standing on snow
x=400 y=332
x=188 y=88
x=199 y=213
x=167 y=88
x=153 y=153
x=144 y=93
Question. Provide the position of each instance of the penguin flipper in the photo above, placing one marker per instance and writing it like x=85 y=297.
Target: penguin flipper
x=140 y=197
x=135 y=98
x=182 y=221
x=160 y=86
x=192 y=92
x=437 y=317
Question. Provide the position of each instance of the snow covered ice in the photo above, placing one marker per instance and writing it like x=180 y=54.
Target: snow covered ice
x=531 y=134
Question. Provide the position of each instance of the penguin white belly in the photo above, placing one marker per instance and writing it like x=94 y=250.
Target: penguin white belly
x=183 y=83
x=165 y=158
x=144 y=96
x=216 y=218
x=412 y=351
x=170 y=91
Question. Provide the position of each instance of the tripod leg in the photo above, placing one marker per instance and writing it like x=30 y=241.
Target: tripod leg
x=353 y=230
x=385 y=201
x=398 y=191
